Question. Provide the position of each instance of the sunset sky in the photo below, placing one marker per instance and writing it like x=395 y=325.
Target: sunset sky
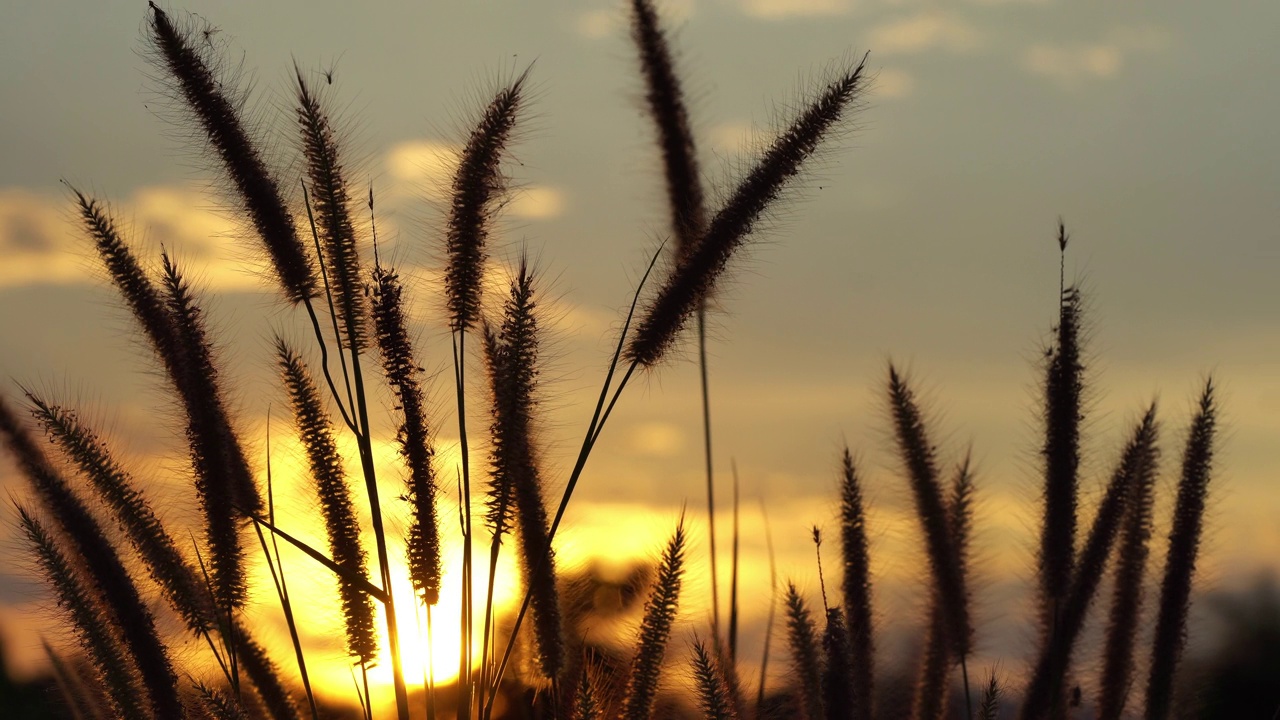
x=924 y=235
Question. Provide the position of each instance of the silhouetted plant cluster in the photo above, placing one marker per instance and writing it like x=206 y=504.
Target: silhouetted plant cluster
x=360 y=325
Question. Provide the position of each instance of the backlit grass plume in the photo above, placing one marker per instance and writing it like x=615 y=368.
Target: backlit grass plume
x=132 y=511
x=479 y=187
x=219 y=467
x=172 y=324
x=918 y=458
x=1180 y=562
x=511 y=354
x=89 y=622
x=331 y=202
x=937 y=656
x=806 y=660
x=714 y=698
x=316 y=434
x=655 y=629
x=664 y=100
x=1063 y=390
x=218 y=704
x=96 y=555
x=422 y=544
x=196 y=80
x=683 y=291
x=990 y=708
x=856 y=586
x=1138 y=463
x=1126 y=598
x=837 y=674
x=175 y=576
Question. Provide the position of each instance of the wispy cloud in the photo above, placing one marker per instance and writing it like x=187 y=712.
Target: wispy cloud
x=783 y=9
x=1072 y=64
x=893 y=83
x=421 y=167
x=538 y=202
x=925 y=31
x=42 y=244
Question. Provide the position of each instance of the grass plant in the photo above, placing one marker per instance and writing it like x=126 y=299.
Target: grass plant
x=357 y=312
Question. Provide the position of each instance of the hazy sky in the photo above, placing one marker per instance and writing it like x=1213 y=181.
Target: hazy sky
x=925 y=235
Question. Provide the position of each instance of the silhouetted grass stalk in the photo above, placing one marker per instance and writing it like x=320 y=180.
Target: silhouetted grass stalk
x=1180 y=562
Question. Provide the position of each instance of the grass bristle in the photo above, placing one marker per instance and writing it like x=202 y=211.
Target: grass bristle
x=219 y=118
x=856 y=586
x=478 y=188
x=664 y=100
x=802 y=638
x=97 y=557
x=714 y=697
x=343 y=531
x=91 y=626
x=695 y=276
x=1180 y=563
x=331 y=201
x=918 y=458
x=413 y=434
x=1043 y=694
x=655 y=629
x=516 y=492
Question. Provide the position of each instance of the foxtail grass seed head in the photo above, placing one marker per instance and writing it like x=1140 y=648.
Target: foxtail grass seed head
x=1180 y=561
x=1063 y=413
x=131 y=509
x=193 y=76
x=856 y=586
x=96 y=555
x=990 y=707
x=1049 y=677
x=92 y=627
x=694 y=278
x=479 y=187
x=516 y=490
x=316 y=434
x=714 y=699
x=655 y=629
x=331 y=202
x=918 y=459
x=1126 y=595
x=390 y=325
x=838 y=685
x=664 y=100
x=806 y=661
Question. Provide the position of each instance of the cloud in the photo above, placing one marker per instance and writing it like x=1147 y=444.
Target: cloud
x=421 y=166
x=893 y=83
x=926 y=30
x=732 y=138
x=42 y=244
x=538 y=202
x=783 y=9
x=1072 y=64
x=656 y=439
